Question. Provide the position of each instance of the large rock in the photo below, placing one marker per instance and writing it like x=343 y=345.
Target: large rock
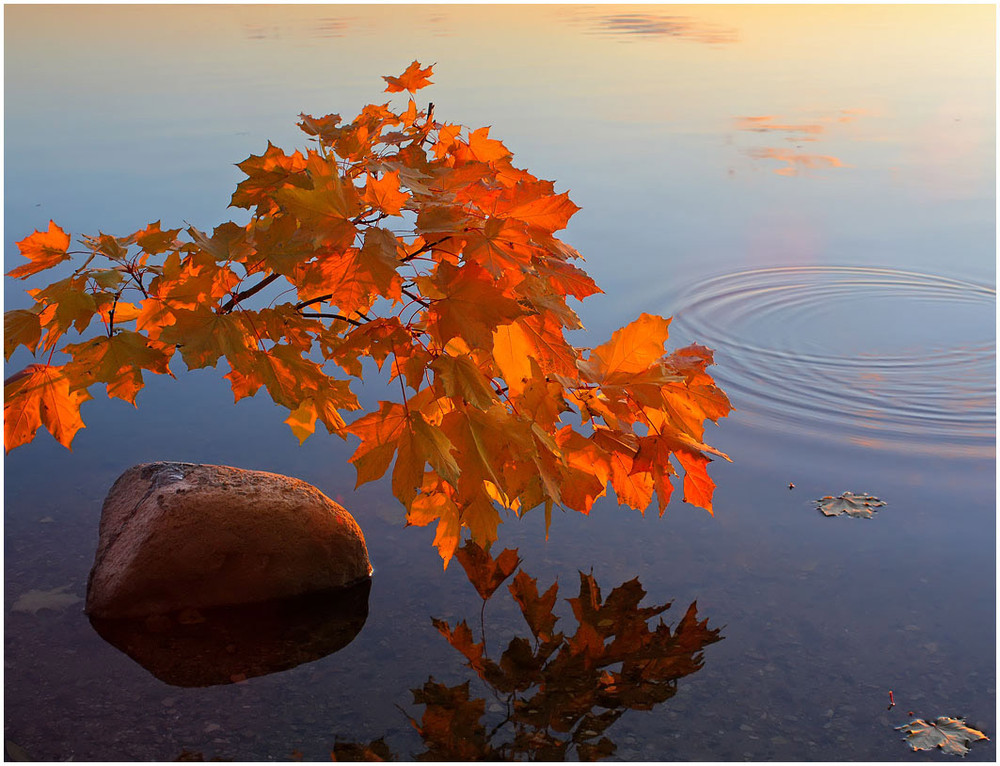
x=182 y=535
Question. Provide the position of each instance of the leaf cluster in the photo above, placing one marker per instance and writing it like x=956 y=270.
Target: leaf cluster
x=416 y=244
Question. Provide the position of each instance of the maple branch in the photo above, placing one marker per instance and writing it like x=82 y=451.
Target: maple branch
x=416 y=298
x=501 y=724
x=333 y=316
x=302 y=304
x=111 y=316
x=482 y=626
x=137 y=278
x=424 y=248
x=360 y=218
x=231 y=303
x=428 y=124
x=434 y=153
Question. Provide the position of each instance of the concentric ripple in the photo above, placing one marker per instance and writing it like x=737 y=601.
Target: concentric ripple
x=886 y=358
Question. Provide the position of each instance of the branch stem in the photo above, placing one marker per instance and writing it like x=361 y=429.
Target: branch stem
x=231 y=303
x=341 y=317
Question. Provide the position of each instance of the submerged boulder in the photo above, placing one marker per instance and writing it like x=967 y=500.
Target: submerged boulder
x=182 y=535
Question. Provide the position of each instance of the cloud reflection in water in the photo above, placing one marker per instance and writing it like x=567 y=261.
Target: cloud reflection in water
x=796 y=133
x=638 y=25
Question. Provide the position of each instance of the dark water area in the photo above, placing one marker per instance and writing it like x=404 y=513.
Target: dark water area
x=804 y=190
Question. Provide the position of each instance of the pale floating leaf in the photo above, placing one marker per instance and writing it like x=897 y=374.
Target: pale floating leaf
x=949 y=734
x=35 y=600
x=15 y=752
x=860 y=506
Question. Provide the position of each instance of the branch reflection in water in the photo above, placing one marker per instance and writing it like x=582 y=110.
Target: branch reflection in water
x=228 y=644
x=557 y=691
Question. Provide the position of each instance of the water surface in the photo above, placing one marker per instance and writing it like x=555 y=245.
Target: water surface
x=808 y=190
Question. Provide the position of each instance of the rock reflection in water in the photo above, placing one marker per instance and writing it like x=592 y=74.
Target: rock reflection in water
x=558 y=691
x=222 y=645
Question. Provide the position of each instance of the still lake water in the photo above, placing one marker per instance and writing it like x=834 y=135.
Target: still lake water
x=808 y=190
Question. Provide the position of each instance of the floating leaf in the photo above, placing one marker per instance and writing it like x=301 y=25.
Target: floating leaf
x=860 y=506
x=34 y=601
x=950 y=734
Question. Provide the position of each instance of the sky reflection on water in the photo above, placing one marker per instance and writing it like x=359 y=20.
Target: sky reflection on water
x=701 y=142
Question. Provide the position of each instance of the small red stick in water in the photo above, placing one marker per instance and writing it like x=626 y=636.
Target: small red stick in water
x=892 y=701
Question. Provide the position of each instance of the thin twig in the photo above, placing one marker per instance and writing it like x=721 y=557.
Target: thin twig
x=416 y=298
x=333 y=316
x=249 y=291
x=318 y=299
x=424 y=248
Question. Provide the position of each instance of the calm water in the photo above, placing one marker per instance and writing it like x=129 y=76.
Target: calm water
x=808 y=190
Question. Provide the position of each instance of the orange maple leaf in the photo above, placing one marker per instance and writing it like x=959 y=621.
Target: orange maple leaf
x=40 y=395
x=118 y=361
x=20 y=328
x=698 y=487
x=43 y=251
x=632 y=348
x=384 y=194
x=470 y=306
x=413 y=79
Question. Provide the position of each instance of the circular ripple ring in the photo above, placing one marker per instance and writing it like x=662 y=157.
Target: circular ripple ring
x=781 y=372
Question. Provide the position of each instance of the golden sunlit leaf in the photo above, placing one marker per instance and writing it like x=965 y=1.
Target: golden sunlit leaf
x=70 y=302
x=20 y=328
x=43 y=249
x=463 y=380
x=425 y=508
x=413 y=79
x=384 y=194
x=154 y=240
x=698 y=487
x=549 y=212
x=302 y=420
x=471 y=308
x=203 y=336
x=40 y=395
x=118 y=361
x=633 y=348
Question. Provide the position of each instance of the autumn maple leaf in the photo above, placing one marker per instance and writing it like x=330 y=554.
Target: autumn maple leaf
x=40 y=395
x=413 y=79
x=44 y=249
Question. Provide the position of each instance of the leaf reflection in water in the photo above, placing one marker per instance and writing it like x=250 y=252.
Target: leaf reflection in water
x=557 y=690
